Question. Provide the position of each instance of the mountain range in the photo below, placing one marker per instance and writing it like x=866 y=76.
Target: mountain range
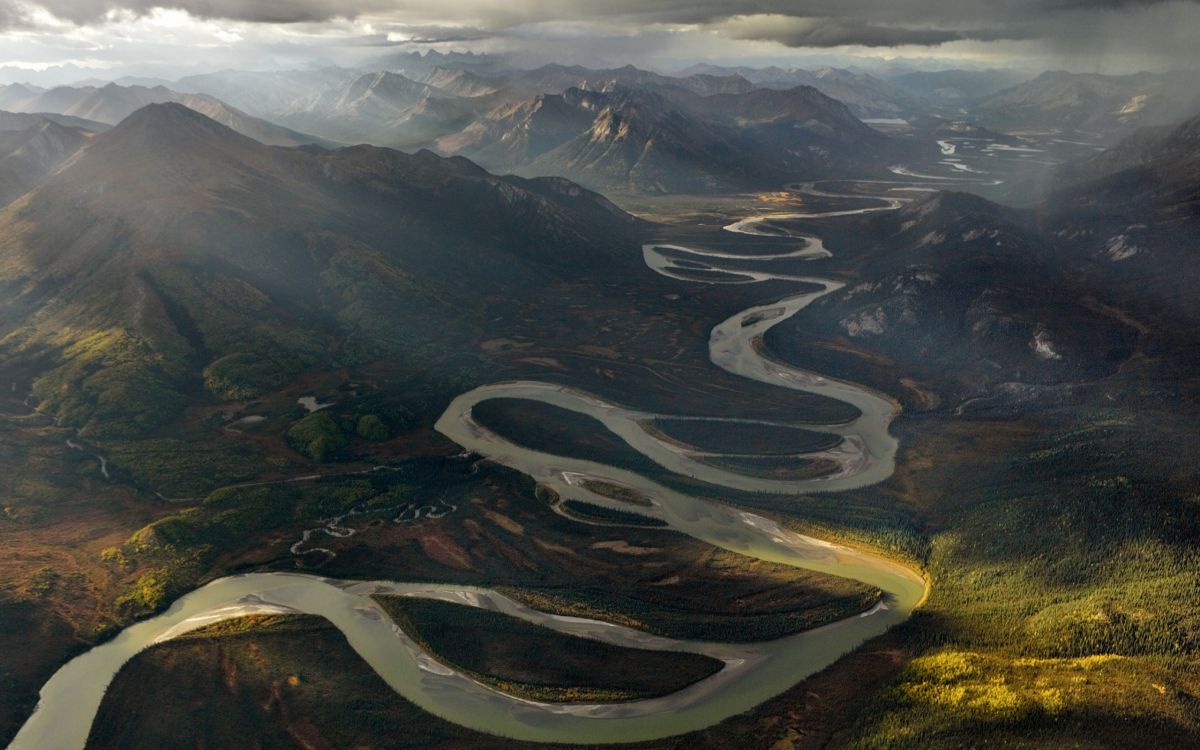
x=112 y=103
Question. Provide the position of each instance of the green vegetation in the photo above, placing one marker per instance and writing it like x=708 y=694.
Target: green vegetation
x=111 y=384
x=318 y=436
x=551 y=429
x=656 y=611
x=1062 y=603
x=948 y=696
x=743 y=437
x=590 y=512
x=537 y=663
x=176 y=551
x=616 y=492
x=242 y=376
x=371 y=427
x=180 y=468
x=774 y=467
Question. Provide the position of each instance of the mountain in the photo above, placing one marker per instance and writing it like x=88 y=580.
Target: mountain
x=24 y=120
x=622 y=139
x=865 y=95
x=1109 y=105
x=29 y=156
x=266 y=93
x=516 y=133
x=459 y=82
x=956 y=87
x=175 y=261
x=1153 y=168
x=1134 y=211
x=802 y=108
x=384 y=109
x=966 y=295
x=112 y=103
x=556 y=79
x=643 y=140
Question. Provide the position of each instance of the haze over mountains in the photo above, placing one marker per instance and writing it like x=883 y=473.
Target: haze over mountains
x=767 y=338
x=174 y=250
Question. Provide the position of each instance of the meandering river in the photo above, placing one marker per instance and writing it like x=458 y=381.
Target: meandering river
x=753 y=673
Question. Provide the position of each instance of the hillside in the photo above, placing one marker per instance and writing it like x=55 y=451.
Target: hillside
x=29 y=156
x=966 y=295
x=637 y=140
x=1132 y=211
x=176 y=259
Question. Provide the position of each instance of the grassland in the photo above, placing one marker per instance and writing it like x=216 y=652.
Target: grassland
x=540 y=664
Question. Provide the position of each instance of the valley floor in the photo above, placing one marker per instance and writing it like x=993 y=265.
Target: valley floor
x=1059 y=537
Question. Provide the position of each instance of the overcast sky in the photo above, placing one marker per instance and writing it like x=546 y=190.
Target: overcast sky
x=160 y=36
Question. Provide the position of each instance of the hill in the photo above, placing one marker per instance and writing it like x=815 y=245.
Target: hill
x=177 y=260
x=29 y=156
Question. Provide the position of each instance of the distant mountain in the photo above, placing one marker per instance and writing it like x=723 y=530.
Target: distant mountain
x=1156 y=168
x=1111 y=106
x=386 y=109
x=459 y=82
x=556 y=79
x=1134 y=210
x=514 y=134
x=25 y=120
x=956 y=87
x=112 y=103
x=640 y=140
x=28 y=156
x=637 y=141
x=622 y=139
x=176 y=261
x=266 y=93
x=865 y=95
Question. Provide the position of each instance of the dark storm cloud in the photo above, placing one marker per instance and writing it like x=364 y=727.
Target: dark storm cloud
x=867 y=15
x=256 y=11
x=795 y=23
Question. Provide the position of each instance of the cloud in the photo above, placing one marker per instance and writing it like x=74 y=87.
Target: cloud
x=435 y=34
x=1144 y=32
x=823 y=32
x=253 y=11
x=874 y=22
x=836 y=32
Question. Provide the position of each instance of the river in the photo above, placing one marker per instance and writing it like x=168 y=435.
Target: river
x=752 y=674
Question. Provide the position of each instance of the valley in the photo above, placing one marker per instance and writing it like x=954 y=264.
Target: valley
x=461 y=402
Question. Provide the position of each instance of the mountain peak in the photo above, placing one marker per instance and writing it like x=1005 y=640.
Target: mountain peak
x=171 y=123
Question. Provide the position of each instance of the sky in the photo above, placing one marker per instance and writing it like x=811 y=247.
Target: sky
x=165 y=37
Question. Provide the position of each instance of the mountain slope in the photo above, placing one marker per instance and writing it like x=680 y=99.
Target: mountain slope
x=864 y=94
x=28 y=156
x=175 y=260
x=640 y=140
x=1109 y=105
x=385 y=109
x=112 y=103
x=1134 y=211
x=25 y=120
x=966 y=295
